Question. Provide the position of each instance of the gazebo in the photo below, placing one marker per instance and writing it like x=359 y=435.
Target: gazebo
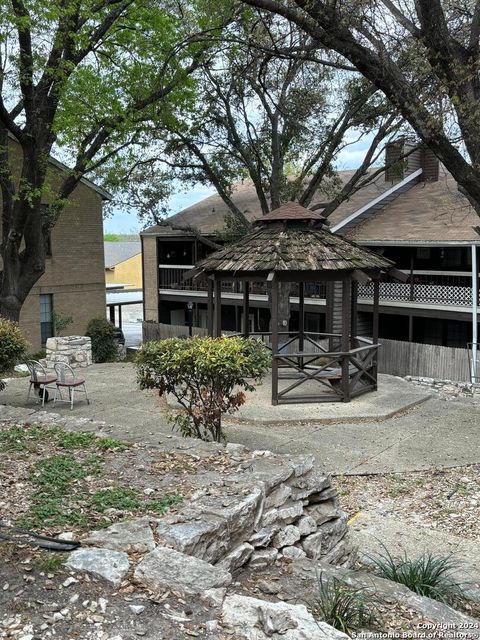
x=293 y=245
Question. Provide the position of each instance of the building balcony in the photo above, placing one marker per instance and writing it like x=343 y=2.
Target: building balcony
x=427 y=288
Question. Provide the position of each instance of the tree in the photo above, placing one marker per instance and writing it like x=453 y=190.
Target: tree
x=425 y=57
x=87 y=78
x=279 y=120
x=206 y=376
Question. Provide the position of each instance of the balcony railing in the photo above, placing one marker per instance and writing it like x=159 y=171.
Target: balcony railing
x=432 y=288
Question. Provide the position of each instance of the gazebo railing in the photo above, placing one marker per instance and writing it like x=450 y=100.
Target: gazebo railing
x=322 y=368
x=326 y=376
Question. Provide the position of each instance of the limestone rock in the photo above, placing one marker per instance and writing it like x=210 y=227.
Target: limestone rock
x=235 y=449
x=241 y=511
x=262 y=558
x=312 y=545
x=133 y=536
x=286 y=537
x=284 y=515
x=323 y=511
x=270 y=471
x=263 y=537
x=333 y=532
x=254 y=619
x=104 y=563
x=293 y=553
x=167 y=568
x=237 y=558
x=312 y=483
x=306 y=525
x=325 y=539
x=278 y=496
x=330 y=493
x=207 y=538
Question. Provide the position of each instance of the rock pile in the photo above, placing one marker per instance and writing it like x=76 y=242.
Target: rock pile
x=73 y=350
x=448 y=389
x=270 y=507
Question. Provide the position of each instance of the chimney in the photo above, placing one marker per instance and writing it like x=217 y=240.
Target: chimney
x=430 y=166
x=401 y=167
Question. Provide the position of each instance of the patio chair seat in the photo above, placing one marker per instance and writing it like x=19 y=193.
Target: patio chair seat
x=48 y=379
x=71 y=383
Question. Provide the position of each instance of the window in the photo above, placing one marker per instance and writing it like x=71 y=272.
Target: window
x=46 y=316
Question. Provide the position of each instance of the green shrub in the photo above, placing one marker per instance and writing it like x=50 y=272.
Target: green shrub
x=343 y=607
x=13 y=346
x=205 y=375
x=104 y=345
x=428 y=575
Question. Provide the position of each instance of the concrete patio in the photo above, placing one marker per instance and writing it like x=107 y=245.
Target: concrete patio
x=399 y=428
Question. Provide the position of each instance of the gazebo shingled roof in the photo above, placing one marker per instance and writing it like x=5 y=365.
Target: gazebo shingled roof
x=292 y=238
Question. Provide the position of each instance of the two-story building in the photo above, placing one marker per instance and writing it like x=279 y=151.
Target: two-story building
x=74 y=278
x=412 y=214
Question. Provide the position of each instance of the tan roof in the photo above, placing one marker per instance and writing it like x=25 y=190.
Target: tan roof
x=428 y=212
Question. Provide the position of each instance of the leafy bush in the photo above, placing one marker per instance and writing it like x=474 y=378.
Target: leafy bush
x=13 y=346
x=104 y=345
x=205 y=375
x=343 y=607
x=428 y=575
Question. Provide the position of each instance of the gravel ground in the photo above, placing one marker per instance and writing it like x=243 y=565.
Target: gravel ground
x=442 y=499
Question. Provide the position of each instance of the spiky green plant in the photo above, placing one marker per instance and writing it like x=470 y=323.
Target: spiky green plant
x=342 y=606
x=428 y=575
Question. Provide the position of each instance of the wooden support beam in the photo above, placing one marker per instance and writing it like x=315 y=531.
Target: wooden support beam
x=210 y=307
x=274 y=322
x=354 y=312
x=346 y=310
x=217 y=319
x=246 y=305
x=376 y=308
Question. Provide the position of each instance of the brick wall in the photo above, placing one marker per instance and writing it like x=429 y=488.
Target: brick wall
x=75 y=272
x=150 y=292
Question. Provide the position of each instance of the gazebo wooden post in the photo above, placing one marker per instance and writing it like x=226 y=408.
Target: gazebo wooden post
x=354 y=314
x=346 y=311
x=217 y=324
x=210 y=306
x=376 y=307
x=274 y=342
x=246 y=304
x=329 y=312
x=301 y=319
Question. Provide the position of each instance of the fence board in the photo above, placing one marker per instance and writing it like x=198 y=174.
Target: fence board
x=428 y=360
x=158 y=331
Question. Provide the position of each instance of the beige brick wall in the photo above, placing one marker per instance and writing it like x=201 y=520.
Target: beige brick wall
x=150 y=293
x=75 y=272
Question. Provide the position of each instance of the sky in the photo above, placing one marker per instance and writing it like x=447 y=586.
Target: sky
x=121 y=222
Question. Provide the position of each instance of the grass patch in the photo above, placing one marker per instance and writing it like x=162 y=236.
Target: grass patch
x=62 y=473
x=345 y=608
x=428 y=575
x=124 y=498
x=27 y=437
x=18 y=438
x=58 y=471
x=49 y=561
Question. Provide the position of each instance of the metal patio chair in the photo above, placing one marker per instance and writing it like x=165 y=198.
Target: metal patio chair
x=40 y=380
x=66 y=379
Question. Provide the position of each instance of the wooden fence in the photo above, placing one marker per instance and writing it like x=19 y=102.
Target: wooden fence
x=426 y=360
